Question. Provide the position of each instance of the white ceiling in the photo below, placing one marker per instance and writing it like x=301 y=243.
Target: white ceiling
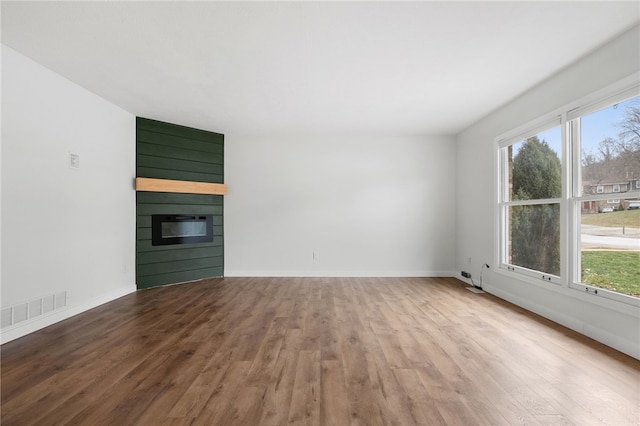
x=296 y=67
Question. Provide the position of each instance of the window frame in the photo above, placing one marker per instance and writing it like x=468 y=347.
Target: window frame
x=504 y=201
x=573 y=194
x=576 y=198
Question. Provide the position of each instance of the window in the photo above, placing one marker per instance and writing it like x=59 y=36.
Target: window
x=607 y=245
x=556 y=223
x=531 y=202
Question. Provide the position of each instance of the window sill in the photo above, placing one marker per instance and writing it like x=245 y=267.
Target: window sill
x=574 y=293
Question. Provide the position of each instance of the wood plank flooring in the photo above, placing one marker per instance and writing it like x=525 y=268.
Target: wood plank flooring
x=317 y=351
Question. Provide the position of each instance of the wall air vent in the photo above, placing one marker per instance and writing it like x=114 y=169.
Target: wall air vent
x=15 y=314
x=5 y=317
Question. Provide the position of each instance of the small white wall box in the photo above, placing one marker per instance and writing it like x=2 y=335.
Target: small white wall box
x=74 y=161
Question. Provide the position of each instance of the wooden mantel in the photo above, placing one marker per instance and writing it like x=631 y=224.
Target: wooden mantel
x=183 y=186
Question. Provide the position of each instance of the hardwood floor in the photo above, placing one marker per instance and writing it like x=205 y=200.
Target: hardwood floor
x=323 y=351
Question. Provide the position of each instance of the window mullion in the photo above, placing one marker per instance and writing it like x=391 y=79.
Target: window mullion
x=565 y=206
x=573 y=208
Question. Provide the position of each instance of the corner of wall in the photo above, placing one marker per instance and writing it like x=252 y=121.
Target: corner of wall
x=66 y=230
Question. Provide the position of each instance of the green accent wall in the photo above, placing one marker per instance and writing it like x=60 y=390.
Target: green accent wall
x=169 y=151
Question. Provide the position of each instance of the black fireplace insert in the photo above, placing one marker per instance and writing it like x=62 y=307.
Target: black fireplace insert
x=181 y=229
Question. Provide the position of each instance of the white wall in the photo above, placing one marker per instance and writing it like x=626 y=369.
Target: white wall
x=366 y=205
x=614 y=324
x=63 y=229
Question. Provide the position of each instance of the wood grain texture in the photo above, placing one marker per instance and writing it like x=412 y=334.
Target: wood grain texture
x=180 y=186
x=314 y=351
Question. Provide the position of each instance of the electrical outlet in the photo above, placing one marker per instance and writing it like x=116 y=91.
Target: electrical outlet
x=466 y=274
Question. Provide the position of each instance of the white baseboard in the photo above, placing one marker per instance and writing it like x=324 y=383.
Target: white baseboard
x=26 y=327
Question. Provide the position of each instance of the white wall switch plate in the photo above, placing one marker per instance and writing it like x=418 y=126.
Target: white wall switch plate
x=74 y=161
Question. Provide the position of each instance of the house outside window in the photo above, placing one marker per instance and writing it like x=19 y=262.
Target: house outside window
x=616 y=188
x=600 y=189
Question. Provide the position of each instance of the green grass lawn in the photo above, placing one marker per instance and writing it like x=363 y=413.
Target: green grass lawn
x=630 y=218
x=613 y=270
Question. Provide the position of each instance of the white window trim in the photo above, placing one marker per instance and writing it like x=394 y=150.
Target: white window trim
x=572 y=196
x=616 y=188
x=545 y=123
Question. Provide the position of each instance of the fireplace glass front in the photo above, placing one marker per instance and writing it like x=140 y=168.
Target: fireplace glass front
x=181 y=229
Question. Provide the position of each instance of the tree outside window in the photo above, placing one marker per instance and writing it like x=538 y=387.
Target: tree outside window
x=535 y=172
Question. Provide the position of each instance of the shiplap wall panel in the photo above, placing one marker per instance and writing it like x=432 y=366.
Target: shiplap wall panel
x=169 y=151
x=159 y=173
x=179 y=154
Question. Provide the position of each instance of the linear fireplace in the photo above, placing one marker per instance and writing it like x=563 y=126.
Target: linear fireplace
x=181 y=229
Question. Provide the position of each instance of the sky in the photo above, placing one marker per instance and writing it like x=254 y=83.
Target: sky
x=595 y=127
x=602 y=124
